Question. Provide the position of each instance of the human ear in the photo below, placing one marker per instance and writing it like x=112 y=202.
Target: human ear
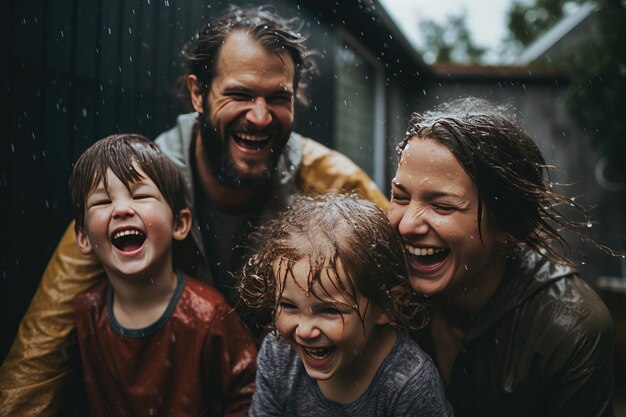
x=195 y=91
x=84 y=244
x=182 y=224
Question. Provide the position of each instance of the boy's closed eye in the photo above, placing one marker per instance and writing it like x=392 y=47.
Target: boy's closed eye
x=142 y=196
x=99 y=201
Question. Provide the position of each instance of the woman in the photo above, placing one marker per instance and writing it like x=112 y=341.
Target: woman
x=514 y=329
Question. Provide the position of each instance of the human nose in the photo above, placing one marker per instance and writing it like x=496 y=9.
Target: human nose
x=307 y=329
x=413 y=221
x=122 y=208
x=259 y=115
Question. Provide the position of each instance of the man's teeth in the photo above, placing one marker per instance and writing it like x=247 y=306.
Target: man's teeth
x=422 y=251
x=126 y=233
x=252 y=138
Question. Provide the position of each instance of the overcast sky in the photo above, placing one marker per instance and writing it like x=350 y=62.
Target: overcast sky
x=486 y=19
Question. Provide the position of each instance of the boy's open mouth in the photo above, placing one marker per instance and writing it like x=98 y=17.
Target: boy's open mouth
x=128 y=240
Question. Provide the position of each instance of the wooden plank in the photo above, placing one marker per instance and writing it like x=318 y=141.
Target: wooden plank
x=109 y=41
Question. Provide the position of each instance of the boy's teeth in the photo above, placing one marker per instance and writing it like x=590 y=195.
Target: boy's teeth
x=126 y=233
x=422 y=251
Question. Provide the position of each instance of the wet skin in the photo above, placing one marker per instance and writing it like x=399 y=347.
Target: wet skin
x=336 y=345
x=131 y=231
x=434 y=207
x=250 y=105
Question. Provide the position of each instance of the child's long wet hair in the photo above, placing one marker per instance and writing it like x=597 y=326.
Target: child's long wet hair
x=331 y=232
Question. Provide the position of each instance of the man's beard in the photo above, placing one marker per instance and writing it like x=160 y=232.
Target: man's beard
x=217 y=154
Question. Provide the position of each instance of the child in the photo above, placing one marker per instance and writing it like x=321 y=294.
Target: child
x=153 y=341
x=333 y=274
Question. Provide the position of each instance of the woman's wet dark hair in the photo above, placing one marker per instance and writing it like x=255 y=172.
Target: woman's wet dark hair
x=273 y=32
x=120 y=153
x=509 y=171
x=330 y=232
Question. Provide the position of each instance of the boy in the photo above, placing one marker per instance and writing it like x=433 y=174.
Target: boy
x=153 y=341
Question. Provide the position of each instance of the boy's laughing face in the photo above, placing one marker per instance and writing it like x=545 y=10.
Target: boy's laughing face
x=131 y=231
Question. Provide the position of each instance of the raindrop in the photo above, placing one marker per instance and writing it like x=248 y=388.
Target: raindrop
x=589 y=224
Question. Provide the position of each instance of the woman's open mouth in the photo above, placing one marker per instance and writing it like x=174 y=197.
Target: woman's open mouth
x=426 y=259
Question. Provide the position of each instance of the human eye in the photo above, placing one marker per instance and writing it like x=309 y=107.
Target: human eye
x=330 y=311
x=444 y=208
x=399 y=197
x=99 y=198
x=99 y=202
x=286 y=306
x=281 y=98
x=238 y=95
x=142 y=196
x=142 y=191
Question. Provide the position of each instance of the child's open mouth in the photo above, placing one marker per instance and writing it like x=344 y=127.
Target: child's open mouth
x=128 y=240
x=318 y=353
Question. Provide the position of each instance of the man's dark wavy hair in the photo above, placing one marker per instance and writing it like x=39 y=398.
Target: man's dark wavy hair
x=265 y=26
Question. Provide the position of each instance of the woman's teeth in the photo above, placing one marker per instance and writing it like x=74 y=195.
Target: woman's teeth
x=422 y=251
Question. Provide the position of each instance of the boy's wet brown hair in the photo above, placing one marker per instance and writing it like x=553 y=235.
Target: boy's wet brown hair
x=329 y=232
x=120 y=153
x=509 y=171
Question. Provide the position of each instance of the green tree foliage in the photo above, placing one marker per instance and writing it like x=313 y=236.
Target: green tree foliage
x=527 y=21
x=450 y=41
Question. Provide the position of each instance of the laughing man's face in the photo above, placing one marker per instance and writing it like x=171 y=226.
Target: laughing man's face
x=250 y=111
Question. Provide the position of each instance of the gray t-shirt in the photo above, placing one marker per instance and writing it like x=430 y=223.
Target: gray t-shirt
x=406 y=384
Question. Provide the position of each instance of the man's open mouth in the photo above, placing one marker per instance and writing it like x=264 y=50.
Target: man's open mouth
x=250 y=141
x=128 y=240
